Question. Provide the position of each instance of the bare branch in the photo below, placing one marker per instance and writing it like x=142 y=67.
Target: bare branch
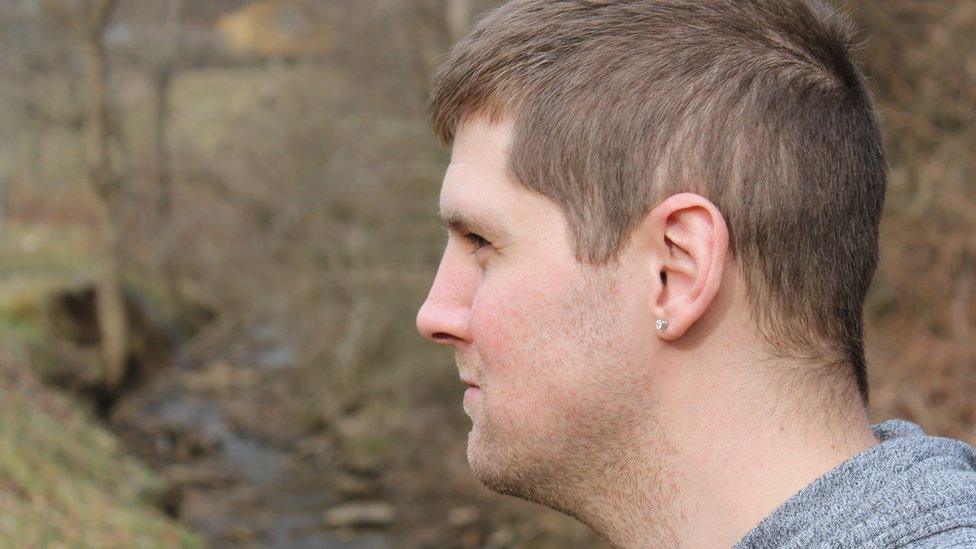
x=100 y=15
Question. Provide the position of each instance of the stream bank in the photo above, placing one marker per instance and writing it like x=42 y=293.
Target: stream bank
x=238 y=468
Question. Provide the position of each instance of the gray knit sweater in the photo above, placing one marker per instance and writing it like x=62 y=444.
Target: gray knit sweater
x=910 y=490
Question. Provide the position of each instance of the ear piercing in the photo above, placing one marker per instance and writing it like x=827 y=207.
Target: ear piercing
x=660 y=324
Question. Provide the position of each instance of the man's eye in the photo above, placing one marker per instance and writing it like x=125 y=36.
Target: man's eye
x=475 y=241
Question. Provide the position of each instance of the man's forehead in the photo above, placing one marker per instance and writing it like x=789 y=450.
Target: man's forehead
x=476 y=194
x=474 y=212
x=473 y=221
x=480 y=140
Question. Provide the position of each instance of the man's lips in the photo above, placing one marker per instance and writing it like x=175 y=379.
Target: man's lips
x=469 y=382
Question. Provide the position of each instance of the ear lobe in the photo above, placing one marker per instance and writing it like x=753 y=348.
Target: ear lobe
x=691 y=246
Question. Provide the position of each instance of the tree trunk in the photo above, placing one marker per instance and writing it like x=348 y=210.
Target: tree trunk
x=113 y=323
x=106 y=180
x=163 y=251
x=164 y=73
x=458 y=16
x=162 y=82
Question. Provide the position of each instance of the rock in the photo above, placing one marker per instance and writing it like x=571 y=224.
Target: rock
x=363 y=450
x=238 y=534
x=192 y=442
x=360 y=514
x=463 y=515
x=352 y=486
x=197 y=477
x=472 y=538
x=318 y=449
x=503 y=537
x=220 y=377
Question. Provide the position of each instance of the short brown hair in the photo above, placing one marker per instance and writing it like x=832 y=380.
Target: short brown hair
x=753 y=104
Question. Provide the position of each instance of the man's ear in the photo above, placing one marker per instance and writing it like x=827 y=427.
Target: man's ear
x=688 y=243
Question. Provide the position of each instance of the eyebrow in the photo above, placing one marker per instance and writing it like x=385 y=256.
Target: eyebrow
x=456 y=221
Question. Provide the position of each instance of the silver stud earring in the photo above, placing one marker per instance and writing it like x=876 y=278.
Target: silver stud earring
x=660 y=324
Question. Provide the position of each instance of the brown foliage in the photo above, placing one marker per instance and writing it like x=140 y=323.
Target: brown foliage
x=922 y=309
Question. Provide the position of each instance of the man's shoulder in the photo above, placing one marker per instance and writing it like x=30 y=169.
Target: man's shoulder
x=928 y=510
x=923 y=495
x=962 y=536
x=910 y=490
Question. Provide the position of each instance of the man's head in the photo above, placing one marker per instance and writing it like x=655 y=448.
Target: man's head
x=559 y=349
x=715 y=163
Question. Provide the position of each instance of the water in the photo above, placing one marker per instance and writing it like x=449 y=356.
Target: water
x=239 y=489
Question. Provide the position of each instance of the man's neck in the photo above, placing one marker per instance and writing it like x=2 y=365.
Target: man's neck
x=734 y=475
x=719 y=462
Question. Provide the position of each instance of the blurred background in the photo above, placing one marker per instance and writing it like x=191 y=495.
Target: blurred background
x=217 y=222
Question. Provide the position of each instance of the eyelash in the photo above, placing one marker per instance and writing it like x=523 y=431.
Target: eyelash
x=476 y=240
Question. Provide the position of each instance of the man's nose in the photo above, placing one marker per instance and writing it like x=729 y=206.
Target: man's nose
x=444 y=316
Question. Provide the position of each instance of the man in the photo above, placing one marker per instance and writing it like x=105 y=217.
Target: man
x=662 y=221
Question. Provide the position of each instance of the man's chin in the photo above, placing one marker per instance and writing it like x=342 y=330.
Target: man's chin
x=473 y=449
x=483 y=466
x=490 y=463
x=504 y=475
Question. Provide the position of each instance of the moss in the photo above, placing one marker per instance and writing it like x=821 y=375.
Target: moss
x=66 y=481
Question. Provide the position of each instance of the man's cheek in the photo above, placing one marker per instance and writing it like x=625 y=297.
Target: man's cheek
x=500 y=324
x=488 y=333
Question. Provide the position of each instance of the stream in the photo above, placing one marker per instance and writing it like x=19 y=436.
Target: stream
x=231 y=488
